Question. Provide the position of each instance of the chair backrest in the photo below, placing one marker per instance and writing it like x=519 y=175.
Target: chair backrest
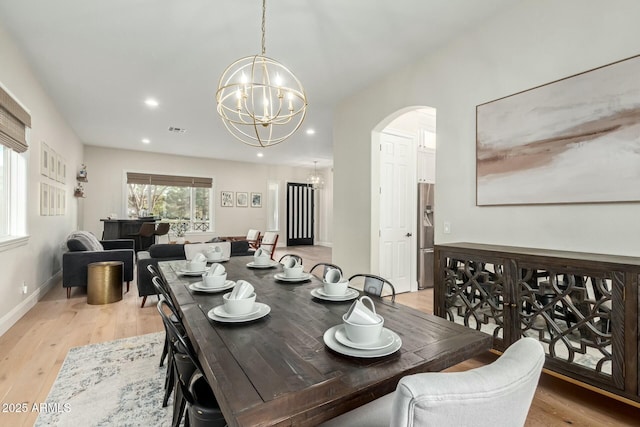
x=496 y=394
x=285 y=257
x=326 y=266
x=253 y=234
x=175 y=338
x=162 y=229
x=147 y=229
x=374 y=285
x=269 y=242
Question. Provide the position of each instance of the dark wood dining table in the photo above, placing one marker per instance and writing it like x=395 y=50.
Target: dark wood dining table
x=277 y=370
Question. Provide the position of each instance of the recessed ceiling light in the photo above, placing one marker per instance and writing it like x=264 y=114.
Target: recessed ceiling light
x=310 y=131
x=146 y=140
x=151 y=102
x=260 y=154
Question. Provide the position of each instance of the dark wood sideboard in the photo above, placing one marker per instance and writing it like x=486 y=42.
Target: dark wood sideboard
x=582 y=307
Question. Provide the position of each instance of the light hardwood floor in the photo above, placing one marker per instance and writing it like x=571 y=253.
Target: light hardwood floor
x=32 y=352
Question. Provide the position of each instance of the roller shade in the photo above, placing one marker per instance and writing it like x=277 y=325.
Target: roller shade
x=13 y=123
x=170 y=180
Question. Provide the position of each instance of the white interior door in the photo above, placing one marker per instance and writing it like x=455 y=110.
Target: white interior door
x=397 y=207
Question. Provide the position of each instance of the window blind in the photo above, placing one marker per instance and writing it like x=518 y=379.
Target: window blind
x=13 y=123
x=171 y=180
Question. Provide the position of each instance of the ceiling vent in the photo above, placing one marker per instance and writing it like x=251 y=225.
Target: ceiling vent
x=176 y=129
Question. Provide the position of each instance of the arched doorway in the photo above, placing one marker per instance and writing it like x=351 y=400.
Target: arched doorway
x=403 y=155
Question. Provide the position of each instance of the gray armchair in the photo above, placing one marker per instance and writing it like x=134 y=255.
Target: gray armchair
x=84 y=249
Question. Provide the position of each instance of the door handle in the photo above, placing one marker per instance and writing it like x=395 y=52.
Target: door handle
x=409 y=234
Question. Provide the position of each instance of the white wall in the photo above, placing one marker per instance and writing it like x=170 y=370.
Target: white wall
x=38 y=263
x=532 y=43
x=105 y=190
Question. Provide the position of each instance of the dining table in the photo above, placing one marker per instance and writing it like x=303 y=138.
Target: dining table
x=284 y=366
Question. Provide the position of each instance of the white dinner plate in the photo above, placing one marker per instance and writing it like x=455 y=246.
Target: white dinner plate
x=270 y=265
x=221 y=312
x=386 y=339
x=192 y=273
x=329 y=338
x=263 y=310
x=349 y=295
x=218 y=260
x=197 y=286
x=282 y=277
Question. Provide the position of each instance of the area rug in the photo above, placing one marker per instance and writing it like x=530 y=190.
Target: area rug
x=116 y=383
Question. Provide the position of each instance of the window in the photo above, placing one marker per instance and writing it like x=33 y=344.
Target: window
x=186 y=202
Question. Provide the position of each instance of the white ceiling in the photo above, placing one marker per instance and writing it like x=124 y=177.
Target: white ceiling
x=99 y=60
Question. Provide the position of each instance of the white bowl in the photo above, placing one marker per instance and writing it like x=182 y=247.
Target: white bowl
x=217 y=281
x=363 y=334
x=238 y=307
x=196 y=265
x=337 y=289
x=293 y=272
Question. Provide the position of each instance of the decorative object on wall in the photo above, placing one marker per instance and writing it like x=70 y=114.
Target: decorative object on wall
x=242 y=199
x=44 y=198
x=52 y=164
x=44 y=159
x=315 y=179
x=226 y=198
x=79 y=190
x=260 y=101
x=256 y=200
x=59 y=168
x=52 y=200
x=575 y=140
x=63 y=201
x=82 y=173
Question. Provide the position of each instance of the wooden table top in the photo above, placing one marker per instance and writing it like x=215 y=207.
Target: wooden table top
x=278 y=371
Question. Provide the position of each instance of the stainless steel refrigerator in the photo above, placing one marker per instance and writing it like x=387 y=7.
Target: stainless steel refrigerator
x=425 y=235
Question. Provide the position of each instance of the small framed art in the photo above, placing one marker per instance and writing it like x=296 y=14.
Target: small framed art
x=256 y=200
x=242 y=199
x=44 y=159
x=226 y=198
x=44 y=198
x=53 y=161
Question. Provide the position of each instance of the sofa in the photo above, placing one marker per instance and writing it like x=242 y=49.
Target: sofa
x=84 y=248
x=170 y=252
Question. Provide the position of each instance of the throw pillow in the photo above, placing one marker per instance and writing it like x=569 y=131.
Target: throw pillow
x=87 y=239
x=76 y=245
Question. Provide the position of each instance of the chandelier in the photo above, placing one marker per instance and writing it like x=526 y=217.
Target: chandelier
x=260 y=101
x=315 y=180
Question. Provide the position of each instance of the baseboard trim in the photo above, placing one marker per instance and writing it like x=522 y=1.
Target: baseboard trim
x=326 y=244
x=12 y=317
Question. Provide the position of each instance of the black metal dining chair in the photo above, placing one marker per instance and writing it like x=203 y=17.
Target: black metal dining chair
x=326 y=266
x=374 y=285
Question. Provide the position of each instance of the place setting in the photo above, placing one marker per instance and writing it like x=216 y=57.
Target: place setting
x=213 y=280
x=239 y=305
x=334 y=288
x=292 y=272
x=197 y=266
x=262 y=259
x=362 y=333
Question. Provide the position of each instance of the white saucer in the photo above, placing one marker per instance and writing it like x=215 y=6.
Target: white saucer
x=192 y=273
x=197 y=286
x=218 y=260
x=282 y=277
x=263 y=310
x=329 y=338
x=221 y=312
x=270 y=265
x=386 y=339
x=349 y=295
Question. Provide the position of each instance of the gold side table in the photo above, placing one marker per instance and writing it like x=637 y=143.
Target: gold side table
x=104 y=282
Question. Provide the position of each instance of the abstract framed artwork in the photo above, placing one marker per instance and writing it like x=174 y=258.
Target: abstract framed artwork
x=52 y=164
x=226 y=198
x=256 y=200
x=575 y=140
x=44 y=199
x=52 y=200
x=242 y=199
x=44 y=159
x=59 y=162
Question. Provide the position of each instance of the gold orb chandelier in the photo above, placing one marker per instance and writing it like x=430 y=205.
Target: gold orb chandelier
x=260 y=101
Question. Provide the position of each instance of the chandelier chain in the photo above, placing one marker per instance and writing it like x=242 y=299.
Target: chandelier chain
x=264 y=30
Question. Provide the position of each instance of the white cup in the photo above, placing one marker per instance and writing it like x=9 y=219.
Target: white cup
x=213 y=254
x=290 y=262
x=261 y=257
x=363 y=334
x=238 y=307
x=214 y=281
x=196 y=265
x=333 y=275
x=293 y=272
x=337 y=289
x=360 y=314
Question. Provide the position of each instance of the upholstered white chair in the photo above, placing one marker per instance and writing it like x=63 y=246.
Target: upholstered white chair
x=498 y=394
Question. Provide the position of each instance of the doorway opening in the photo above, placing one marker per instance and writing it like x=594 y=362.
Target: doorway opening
x=403 y=157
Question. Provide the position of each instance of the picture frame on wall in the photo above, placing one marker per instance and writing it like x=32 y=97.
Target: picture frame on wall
x=58 y=168
x=63 y=201
x=226 y=199
x=44 y=197
x=52 y=199
x=256 y=200
x=52 y=164
x=44 y=159
x=242 y=199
